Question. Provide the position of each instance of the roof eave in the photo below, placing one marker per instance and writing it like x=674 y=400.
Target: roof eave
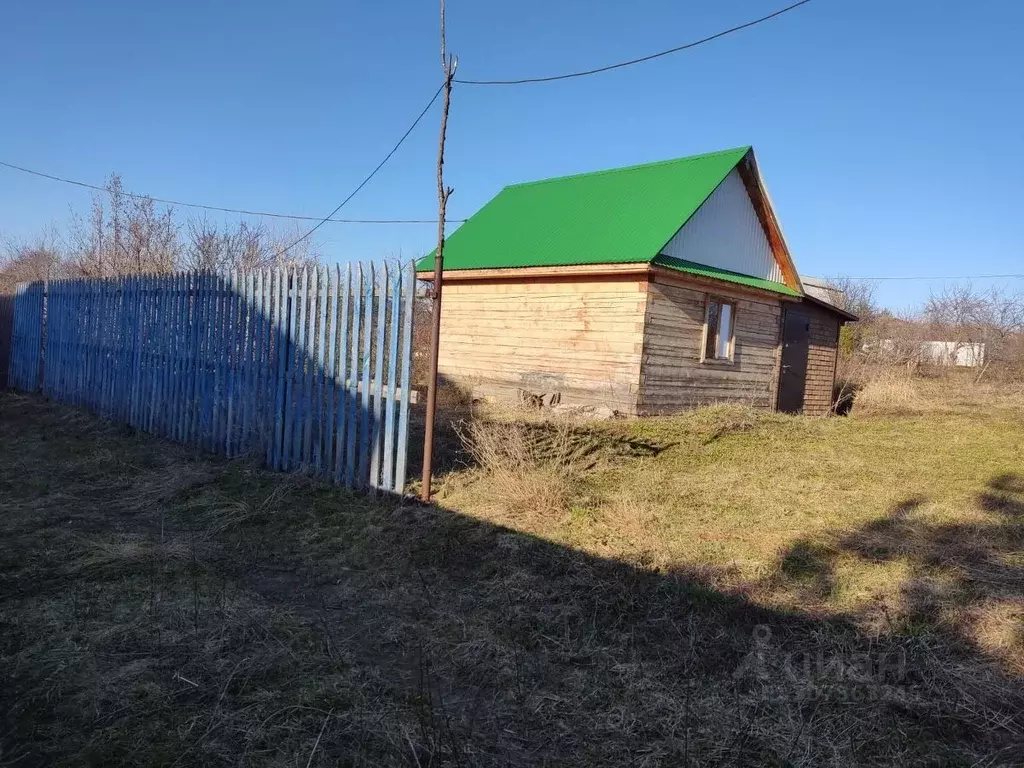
x=641 y=269
x=847 y=316
x=676 y=275
x=523 y=273
x=761 y=200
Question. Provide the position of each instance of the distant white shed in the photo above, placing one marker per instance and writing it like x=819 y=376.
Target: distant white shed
x=958 y=353
x=963 y=354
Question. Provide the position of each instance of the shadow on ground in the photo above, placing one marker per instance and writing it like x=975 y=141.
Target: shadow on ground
x=589 y=447
x=965 y=580
x=161 y=608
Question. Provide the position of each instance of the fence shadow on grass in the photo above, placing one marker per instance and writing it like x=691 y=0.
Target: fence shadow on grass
x=238 y=615
x=962 y=575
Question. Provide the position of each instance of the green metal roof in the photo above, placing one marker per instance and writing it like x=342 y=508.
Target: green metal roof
x=702 y=270
x=619 y=216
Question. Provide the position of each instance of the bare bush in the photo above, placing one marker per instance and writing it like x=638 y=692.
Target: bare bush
x=855 y=296
x=124 y=235
x=877 y=341
x=959 y=330
x=534 y=469
x=22 y=262
x=990 y=320
x=128 y=234
x=244 y=246
x=213 y=247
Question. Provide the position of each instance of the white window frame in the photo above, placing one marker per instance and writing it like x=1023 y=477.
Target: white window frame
x=722 y=301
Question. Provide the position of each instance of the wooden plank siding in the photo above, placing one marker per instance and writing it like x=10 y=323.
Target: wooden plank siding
x=821 y=360
x=628 y=342
x=673 y=377
x=574 y=340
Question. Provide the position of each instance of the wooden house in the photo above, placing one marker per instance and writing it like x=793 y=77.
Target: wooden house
x=645 y=290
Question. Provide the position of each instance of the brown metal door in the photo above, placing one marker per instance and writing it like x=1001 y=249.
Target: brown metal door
x=796 y=330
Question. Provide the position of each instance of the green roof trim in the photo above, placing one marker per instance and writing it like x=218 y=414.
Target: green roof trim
x=702 y=270
x=619 y=216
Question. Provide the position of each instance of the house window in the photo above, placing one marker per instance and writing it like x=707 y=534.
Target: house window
x=719 y=317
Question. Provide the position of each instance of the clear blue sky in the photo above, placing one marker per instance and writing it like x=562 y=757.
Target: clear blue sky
x=888 y=131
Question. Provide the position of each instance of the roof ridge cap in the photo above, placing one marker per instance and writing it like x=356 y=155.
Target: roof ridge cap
x=746 y=148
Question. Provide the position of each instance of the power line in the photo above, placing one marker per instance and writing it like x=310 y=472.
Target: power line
x=641 y=60
x=373 y=173
x=221 y=209
x=926 y=277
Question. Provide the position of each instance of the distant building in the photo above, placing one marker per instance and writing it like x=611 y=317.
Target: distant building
x=963 y=354
x=957 y=353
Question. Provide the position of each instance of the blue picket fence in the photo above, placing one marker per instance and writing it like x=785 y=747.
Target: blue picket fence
x=308 y=369
x=26 y=344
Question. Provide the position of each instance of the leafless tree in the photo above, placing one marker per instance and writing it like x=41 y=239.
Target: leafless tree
x=299 y=253
x=128 y=234
x=855 y=296
x=40 y=259
x=965 y=316
x=211 y=246
x=244 y=246
x=857 y=339
x=124 y=235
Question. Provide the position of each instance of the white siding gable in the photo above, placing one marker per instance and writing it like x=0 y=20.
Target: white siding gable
x=726 y=233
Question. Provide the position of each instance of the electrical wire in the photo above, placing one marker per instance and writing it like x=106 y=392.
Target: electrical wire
x=243 y=211
x=640 y=60
x=925 y=276
x=366 y=181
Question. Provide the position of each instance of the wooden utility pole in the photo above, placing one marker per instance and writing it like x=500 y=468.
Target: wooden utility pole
x=448 y=64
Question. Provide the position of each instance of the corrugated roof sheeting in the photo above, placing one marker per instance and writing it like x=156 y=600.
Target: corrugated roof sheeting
x=822 y=291
x=609 y=217
x=725 y=232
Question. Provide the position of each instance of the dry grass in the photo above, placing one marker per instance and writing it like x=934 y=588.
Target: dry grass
x=532 y=471
x=898 y=390
x=719 y=588
x=906 y=521
x=892 y=392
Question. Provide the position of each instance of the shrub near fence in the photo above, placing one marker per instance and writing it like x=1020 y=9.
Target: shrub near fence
x=307 y=369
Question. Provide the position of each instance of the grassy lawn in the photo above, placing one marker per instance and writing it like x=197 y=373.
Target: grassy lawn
x=718 y=588
x=859 y=517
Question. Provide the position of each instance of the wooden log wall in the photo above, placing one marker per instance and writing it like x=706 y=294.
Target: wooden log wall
x=674 y=378
x=572 y=340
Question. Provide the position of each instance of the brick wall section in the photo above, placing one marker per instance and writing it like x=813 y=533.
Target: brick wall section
x=821 y=360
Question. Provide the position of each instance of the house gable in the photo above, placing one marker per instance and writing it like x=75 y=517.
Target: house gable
x=617 y=216
x=726 y=233
x=693 y=215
